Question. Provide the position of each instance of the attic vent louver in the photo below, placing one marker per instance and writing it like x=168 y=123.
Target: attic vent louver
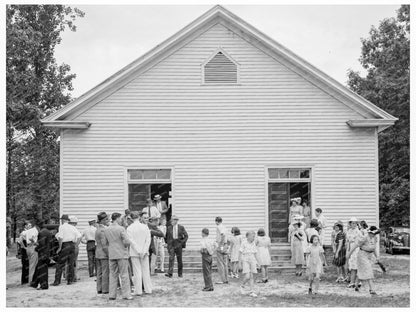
x=220 y=69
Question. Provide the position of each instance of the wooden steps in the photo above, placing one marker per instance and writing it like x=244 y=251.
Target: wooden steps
x=192 y=262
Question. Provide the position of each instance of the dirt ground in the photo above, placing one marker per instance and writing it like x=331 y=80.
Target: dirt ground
x=283 y=290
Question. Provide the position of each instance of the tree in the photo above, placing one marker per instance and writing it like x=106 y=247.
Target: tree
x=386 y=57
x=35 y=87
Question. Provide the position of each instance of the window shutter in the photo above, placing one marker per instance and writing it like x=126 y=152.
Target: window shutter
x=220 y=69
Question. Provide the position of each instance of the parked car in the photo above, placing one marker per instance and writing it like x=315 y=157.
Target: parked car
x=397 y=239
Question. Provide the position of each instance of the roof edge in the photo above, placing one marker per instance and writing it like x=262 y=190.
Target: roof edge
x=214 y=12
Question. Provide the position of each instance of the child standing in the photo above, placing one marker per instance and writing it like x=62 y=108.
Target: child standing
x=296 y=237
x=263 y=254
x=314 y=266
x=207 y=250
x=248 y=258
x=235 y=244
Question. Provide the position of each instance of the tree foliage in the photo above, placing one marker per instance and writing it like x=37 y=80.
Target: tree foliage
x=35 y=87
x=385 y=54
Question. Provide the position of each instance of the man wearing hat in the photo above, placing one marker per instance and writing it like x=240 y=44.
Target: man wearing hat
x=88 y=237
x=118 y=255
x=139 y=236
x=67 y=237
x=176 y=237
x=101 y=254
x=161 y=206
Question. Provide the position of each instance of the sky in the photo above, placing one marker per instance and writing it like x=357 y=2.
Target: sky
x=109 y=37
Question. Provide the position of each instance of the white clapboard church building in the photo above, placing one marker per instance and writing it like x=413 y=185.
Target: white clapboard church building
x=221 y=120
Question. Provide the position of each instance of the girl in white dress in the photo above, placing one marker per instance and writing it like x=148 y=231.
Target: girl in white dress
x=263 y=254
x=248 y=251
x=235 y=244
x=314 y=263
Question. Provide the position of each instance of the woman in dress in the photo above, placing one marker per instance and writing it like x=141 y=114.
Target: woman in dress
x=353 y=234
x=340 y=251
x=235 y=244
x=367 y=246
x=311 y=230
x=296 y=238
x=306 y=212
x=295 y=208
x=263 y=254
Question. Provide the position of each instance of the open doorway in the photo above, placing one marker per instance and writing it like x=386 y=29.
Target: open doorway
x=139 y=193
x=279 y=205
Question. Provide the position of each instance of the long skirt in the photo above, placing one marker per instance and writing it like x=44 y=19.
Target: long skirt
x=365 y=265
x=298 y=257
x=340 y=261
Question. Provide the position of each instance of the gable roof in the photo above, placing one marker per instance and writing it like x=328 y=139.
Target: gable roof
x=373 y=116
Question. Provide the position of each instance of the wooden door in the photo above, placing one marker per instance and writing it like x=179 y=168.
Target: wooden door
x=278 y=211
x=138 y=195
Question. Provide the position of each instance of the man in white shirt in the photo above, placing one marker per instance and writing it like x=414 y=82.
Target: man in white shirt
x=150 y=210
x=88 y=237
x=139 y=236
x=161 y=206
x=207 y=250
x=73 y=220
x=67 y=237
x=31 y=237
x=222 y=256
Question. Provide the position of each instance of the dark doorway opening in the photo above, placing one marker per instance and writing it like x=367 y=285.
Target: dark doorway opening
x=279 y=203
x=139 y=193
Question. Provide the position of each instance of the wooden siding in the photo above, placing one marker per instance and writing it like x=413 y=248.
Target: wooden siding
x=219 y=139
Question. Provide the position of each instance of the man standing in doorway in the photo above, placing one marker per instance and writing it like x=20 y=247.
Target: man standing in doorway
x=222 y=250
x=88 y=237
x=101 y=254
x=150 y=210
x=161 y=206
x=176 y=237
x=67 y=236
x=118 y=254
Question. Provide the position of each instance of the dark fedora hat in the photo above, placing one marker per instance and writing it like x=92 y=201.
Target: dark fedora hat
x=65 y=217
x=101 y=216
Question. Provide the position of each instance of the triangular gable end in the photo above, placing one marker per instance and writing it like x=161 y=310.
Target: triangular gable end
x=379 y=118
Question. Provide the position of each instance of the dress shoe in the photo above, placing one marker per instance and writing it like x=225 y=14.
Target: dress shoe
x=168 y=275
x=99 y=292
x=180 y=276
x=69 y=283
x=111 y=298
x=55 y=284
x=105 y=293
x=207 y=289
x=128 y=298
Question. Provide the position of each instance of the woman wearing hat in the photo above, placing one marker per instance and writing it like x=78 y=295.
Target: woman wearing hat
x=339 y=251
x=295 y=208
x=367 y=249
x=353 y=234
x=297 y=239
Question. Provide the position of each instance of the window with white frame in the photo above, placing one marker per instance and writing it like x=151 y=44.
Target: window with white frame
x=143 y=184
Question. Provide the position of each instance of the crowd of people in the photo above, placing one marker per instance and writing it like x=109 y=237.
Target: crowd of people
x=355 y=248
x=127 y=251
